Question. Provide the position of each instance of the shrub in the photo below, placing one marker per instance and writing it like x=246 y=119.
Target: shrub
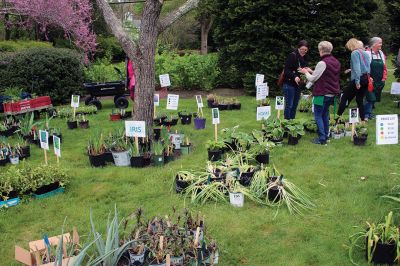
x=103 y=71
x=14 y=46
x=109 y=47
x=57 y=73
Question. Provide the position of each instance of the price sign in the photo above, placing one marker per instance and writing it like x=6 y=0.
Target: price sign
x=156 y=99
x=259 y=79
x=262 y=91
x=75 y=101
x=44 y=139
x=176 y=139
x=135 y=129
x=164 y=80
x=353 y=116
x=199 y=101
x=387 y=129
x=172 y=102
x=395 y=89
x=57 y=146
x=263 y=112
x=279 y=103
x=215 y=116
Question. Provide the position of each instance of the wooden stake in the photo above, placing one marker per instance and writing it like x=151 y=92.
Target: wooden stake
x=161 y=242
x=216 y=132
x=353 y=130
x=168 y=260
x=58 y=160
x=45 y=156
x=74 y=112
x=279 y=113
x=196 y=239
x=137 y=142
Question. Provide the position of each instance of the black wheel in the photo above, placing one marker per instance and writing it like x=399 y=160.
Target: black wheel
x=52 y=112
x=116 y=97
x=96 y=103
x=88 y=99
x=121 y=103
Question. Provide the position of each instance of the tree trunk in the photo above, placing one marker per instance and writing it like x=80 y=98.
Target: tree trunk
x=205 y=29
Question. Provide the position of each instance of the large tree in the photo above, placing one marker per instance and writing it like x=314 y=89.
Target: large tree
x=393 y=7
x=142 y=51
x=256 y=36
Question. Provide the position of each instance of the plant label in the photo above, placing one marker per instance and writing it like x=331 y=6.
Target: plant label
x=395 y=89
x=176 y=139
x=279 y=103
x=262 y=91
x=263 y=112
x=172 y=102
x=387 y=129
x=215 y=116
x=44 y=139
x=353 y=115
x=135 y=129
x=199 y=101
x=156 y=99
x=75 y=101
x=57 y=146
x=259 y=79
x=164 y=80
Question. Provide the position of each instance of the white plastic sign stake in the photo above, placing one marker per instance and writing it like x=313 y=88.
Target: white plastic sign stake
x=279 y=103
x=172 y=102
x=263 y=112
x=176 y=139
x=387 y=129
x=75 y=101
x=44 y=139
x=135 y=129
x=353 y=116
x=262 y=91
x=395 y=89
x=215 y=116
x=156 y=99
x=164 y=80
x=57 y=146
x=259 y=79
x=199 y=101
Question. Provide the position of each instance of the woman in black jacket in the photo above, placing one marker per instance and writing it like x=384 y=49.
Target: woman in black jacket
x=292 y=82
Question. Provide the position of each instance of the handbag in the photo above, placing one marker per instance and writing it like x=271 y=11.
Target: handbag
x=281 y=79
x=370 y=80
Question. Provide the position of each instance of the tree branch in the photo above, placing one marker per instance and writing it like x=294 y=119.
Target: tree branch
x=129 y=46
x=176 y=14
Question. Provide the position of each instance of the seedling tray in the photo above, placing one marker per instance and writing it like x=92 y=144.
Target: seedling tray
x=49 y=194
x=10 y=202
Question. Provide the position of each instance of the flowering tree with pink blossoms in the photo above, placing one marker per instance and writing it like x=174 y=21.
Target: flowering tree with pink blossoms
x=72 y=16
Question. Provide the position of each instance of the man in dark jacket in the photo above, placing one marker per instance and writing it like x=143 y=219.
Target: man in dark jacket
x=326 y=80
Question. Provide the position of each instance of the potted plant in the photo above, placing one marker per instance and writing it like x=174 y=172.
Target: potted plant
x=114 y=116
x=3 y=158
x=246 y=170
x=83 y=122
x=381 y=242
x=182 y=180
x=137 y=158
x=55 y=132
x=236 y=105
x=199 y=121
x=158 y=121
x=211 y=100
x=236 y=197
x=347 y=130
x=158 y=153
x=26 y=127
x=186 y=146
x=265 y=102
x=360 y=135
x=310 y=126
x=14 y=155
x=47 y=180
x=305 y=105
x=229 y=137
x=222 y=104
x=72 y=123
x=261 y=147
x=295 y=131
x=171 y=120
x=215 y=149
x=120 y=150
x=338 y=131
x=186 y=117
x=242 y=140
x=96 y=150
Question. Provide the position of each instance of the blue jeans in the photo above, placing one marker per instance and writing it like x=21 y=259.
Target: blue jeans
x=321 y=115
x=368 y=109
x=292 y=97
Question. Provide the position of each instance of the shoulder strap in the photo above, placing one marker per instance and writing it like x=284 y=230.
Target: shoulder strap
x=362 y=54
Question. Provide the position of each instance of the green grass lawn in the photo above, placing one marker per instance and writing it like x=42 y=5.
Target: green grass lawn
x=247 y=236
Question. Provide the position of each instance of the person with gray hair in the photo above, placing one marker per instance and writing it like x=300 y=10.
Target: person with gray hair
x=377 y=62
x=326 y=80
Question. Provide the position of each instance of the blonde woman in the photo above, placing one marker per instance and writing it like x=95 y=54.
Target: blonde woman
x=358 y=85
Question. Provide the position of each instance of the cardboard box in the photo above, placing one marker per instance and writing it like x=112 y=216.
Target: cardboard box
x=38 y=246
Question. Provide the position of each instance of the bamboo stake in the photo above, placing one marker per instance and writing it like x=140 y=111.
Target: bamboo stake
x=216 y=132
x=45 y=156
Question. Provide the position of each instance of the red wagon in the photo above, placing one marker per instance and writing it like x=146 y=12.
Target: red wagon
x=25 y=106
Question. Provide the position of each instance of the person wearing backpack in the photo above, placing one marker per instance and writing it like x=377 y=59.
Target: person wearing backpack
x=292 y=82
x=358 y=85
x=377 y=62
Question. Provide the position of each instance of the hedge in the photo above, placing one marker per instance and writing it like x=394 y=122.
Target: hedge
x=55 y=72
x=14 y=46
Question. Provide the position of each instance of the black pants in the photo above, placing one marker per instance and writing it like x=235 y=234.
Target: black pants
x=350 y=93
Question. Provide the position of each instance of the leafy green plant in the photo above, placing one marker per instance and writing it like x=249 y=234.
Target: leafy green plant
x=261 y=145
x=213 y=145
x=294 y=128
x=361 y=130
x=27 y=123
x=96 y=144
x=158 y=148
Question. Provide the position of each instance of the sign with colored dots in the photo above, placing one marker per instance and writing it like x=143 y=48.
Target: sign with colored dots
x=387 y=129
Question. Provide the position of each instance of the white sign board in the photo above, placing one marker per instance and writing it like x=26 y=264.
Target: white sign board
x=215 y=116
x=57 y=146
x=280 y=103
x=354 y=115
x=156 y=99
x=259 y=79
x=263 y=112
x=262 y=91
x=75 y=101
x=172 y=101
x=164 y=80
x=135 y=129
x=176 y=139
x=387 y=129
x=395 y=88
x=44 y=139
x=199 y=101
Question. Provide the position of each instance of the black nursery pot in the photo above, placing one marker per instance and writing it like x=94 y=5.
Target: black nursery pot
x=384 y=253
x=274 y=194
x=263 y=158
x=359 y=141
x=97 y=160
x=210 y=103
x=236 y=106
x=169 y=158
x=3 y=162
x=72 y=124
x=214 y=155
x=26 y=152
x=180 y=185
x=108 y=158
x=137 y=162
x=245 y=178
x=186 y=119
x=47 y=188
x=157 y=133
x=84 y=124
x=222 y=107
x=293 y=140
